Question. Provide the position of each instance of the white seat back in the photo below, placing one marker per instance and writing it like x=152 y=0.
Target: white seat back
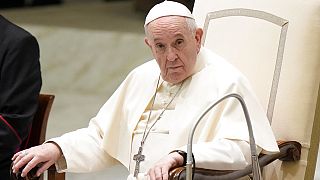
x=276 y=44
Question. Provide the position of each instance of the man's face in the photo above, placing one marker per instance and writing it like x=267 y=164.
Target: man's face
x=174 y=47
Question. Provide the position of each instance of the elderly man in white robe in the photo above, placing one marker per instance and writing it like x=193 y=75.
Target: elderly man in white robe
x=145 y=123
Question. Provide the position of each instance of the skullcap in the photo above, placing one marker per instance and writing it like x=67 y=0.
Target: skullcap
x=167 y=8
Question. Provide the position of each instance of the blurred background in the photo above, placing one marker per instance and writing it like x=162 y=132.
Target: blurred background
x=87 y=48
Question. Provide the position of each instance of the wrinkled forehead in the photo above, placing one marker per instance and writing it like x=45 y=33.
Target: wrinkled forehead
x=169 y=21
x=168 y=25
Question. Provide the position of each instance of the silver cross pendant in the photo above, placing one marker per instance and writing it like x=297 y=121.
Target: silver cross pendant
x=138 y=158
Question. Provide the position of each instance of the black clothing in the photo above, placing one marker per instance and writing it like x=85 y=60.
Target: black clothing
x=20 y=83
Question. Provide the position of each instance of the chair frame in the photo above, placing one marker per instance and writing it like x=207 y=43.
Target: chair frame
x=54 y=175
x=40 y=120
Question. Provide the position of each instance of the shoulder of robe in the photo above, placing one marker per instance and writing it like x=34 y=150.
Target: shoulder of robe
x=219 y=68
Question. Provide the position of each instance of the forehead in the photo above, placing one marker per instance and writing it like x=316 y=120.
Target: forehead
x=168 y=26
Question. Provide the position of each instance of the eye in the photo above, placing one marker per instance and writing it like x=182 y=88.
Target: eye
x=179 y=42
x=160 y=46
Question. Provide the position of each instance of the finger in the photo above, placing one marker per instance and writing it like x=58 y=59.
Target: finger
x=15 y=155
x=30 y=161
x=165 y=176
x=14 y=164
x=30 y=164
x=165 y=173
x=151 y=174
x=19 y=162
x=158 y=173
x=18 y=156
x=43 y=168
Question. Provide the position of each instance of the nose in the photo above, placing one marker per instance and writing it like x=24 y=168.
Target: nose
x=171 y=54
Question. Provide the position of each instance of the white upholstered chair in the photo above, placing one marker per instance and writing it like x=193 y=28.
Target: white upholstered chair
x=276 y=44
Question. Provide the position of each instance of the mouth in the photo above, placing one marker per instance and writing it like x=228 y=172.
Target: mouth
x=174 y=67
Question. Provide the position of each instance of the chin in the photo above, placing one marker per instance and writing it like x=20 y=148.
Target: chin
x=175 y=80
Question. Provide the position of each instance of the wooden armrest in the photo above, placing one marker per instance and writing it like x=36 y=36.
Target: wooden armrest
x=54 y=175
x=289 y=151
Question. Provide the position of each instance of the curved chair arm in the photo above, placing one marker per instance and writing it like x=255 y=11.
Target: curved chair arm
x=289 y=151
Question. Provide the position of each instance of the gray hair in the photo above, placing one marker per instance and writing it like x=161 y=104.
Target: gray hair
x=191 y=25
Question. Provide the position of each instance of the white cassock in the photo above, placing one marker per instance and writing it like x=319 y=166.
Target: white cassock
x=114 y=135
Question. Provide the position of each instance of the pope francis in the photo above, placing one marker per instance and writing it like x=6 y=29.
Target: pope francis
x=145 y=123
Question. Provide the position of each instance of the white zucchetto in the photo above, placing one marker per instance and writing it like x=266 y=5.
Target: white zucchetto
x=167 y=8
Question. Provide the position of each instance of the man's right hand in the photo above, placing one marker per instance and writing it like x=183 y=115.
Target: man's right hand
x=46 y=154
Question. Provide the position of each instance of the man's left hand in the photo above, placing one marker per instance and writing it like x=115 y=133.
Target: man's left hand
x=160 y=171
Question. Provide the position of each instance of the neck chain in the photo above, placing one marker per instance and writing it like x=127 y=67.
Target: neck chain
x=139 y=156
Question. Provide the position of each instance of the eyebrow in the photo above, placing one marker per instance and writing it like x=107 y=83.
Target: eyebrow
x=175 y=36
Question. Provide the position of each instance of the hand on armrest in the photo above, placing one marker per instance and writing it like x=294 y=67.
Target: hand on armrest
x=43 y=155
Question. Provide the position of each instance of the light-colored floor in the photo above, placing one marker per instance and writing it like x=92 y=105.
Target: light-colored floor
x=87 y=48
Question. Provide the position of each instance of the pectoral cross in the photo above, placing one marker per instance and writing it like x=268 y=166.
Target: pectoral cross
x=138 y=158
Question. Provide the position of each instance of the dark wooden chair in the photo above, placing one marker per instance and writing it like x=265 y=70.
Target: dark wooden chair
x=39 y=126
x=40 y=120
x=289 y=151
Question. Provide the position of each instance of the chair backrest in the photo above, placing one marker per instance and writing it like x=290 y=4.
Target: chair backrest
x=39 y=125
x=241 y=32
x=278 y=21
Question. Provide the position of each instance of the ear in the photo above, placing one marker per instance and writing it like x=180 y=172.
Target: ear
x=147 y=42
x=198 y=37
